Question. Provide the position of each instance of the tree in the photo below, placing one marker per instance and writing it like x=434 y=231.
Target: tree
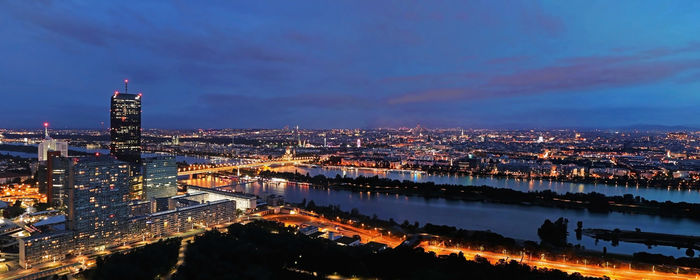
x=41 y=206
x=143 y=262
x=579 y=230
x=15 y=210
x=311 y=205
x=690 y=253
x=554 y=233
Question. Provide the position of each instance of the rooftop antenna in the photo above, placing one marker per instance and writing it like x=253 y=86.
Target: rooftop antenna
x=46 y=130
x=126 y=86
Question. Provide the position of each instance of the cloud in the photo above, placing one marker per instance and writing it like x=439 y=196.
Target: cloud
x=293 y=102
x=434 y=78
x=509 y=60
x=570 y=75
x=434 y=95
x=585 y=76
x=211 y=45
x=536 y=20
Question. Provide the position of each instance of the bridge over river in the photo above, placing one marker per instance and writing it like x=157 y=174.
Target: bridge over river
x=202 y=169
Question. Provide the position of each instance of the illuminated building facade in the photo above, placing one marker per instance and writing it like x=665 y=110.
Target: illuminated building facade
x=244 y=201
x=47 y=145
x=182 y=219
x=99 y=195
x=159 y=177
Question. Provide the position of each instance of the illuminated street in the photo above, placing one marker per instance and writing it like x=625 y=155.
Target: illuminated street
x=324 y=225
x=586 y=270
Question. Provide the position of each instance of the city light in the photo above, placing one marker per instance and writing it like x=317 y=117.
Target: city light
x=418 y=141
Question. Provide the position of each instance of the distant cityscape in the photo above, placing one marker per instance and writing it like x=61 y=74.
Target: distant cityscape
x=349 y=140
x=72 y=196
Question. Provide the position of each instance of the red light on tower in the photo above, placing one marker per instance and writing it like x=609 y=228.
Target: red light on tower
x=46 y=124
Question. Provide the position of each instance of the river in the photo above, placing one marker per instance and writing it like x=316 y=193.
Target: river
x=520 y=222
x=524 y=185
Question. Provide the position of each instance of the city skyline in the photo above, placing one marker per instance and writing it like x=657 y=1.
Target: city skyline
x=349 y=139
x=348 y=64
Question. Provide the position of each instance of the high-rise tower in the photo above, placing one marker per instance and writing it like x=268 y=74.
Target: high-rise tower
x=125 y=126
x=49 y=144
x=125 y=134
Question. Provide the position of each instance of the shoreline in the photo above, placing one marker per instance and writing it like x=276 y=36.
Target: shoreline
x=591 y=181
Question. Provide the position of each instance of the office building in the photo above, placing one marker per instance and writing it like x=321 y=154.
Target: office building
x=47 y=145
x=125 y=127
x=125 y=135
x=59 y=171
x=159 y=177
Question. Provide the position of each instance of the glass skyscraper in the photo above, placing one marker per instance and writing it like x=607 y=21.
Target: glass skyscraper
x=125 y=135
x=125 y=127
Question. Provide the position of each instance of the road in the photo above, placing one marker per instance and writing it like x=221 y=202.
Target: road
x=569 y=267
x=324 y=225
x=618 y=273
x=180 y=257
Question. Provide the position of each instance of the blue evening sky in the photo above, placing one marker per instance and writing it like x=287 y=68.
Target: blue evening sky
x=328 y=64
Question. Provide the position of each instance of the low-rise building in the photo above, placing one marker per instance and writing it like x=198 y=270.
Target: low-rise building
x=243 y=201
x=348 y=241
x=308 y=230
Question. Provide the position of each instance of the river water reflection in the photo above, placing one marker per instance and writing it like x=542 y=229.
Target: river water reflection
x=672 y=194
x=514 y=221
